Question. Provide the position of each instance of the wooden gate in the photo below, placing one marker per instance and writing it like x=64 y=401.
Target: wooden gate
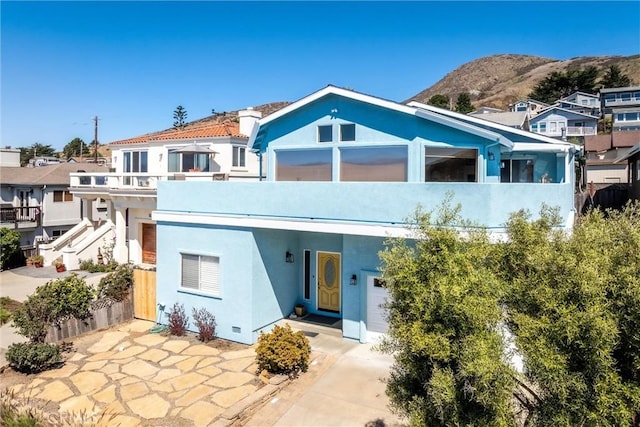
x=144 y=294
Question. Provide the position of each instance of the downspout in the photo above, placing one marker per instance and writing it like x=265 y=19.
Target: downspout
x=260 y=165
x=487 y=152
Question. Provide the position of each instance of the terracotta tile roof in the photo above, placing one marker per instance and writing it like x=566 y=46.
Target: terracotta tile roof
x=57 y=174
x=190 y=131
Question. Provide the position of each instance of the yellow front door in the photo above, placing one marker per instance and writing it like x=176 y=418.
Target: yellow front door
x=329 y=281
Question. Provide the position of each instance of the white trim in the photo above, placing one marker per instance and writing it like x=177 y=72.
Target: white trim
x=432 y=115
x=483 y=122
x=541 y=147
x=400 y=230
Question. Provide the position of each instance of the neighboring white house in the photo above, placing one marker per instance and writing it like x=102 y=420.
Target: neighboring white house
x=556 y=122
x=530 y=106
x=10 y=157
x=37 y=202
x=203 y=150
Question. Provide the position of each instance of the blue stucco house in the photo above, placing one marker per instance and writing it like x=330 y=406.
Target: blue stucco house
x=344 y=171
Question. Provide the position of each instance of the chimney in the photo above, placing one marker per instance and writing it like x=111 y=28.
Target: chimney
x=248 y=118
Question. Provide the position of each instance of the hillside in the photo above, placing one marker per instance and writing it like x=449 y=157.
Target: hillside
x=492 y=81
x=499 y=80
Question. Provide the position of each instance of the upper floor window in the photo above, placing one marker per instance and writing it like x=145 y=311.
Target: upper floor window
x=626 y=96
x=304 y=165
x=348 y=132
x=200 y=273
x=450 y=165
x=188 y=162
x=543 y=127
x=374 y=164
x=62 y=196
x=239 y=157
x=325 y=133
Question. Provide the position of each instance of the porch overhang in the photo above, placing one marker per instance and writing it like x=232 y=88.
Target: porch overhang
x=290 y=224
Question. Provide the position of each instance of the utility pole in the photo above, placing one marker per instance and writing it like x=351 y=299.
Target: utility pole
x=95 y=140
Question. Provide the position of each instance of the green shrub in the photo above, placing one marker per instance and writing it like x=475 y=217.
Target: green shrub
x=206 y=324
x=283 y=351
x=52 y=303
x=10 y=253
x=116 y=285
x=178 y=320
x=30 y=357
x=91 y=267
x=33 y=318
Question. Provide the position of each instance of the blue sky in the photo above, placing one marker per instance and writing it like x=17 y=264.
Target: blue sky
x=132 y=63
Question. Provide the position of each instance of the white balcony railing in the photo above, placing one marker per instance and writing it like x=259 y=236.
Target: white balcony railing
x=581 y=131
x=135 y=181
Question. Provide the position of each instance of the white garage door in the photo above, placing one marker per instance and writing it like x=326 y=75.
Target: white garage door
x=376 y=296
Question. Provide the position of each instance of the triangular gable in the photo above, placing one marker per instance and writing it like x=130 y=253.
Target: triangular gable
x=255 y=139
x=551 y=109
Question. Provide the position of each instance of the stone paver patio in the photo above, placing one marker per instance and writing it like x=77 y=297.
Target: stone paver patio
x=126 y=376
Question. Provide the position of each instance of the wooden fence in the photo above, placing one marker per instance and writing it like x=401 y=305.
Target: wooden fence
x=144 y=294
x=103 y=315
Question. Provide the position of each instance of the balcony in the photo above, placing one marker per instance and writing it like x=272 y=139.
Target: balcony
x=19 y=217
x=141 y=183
x=581 y=131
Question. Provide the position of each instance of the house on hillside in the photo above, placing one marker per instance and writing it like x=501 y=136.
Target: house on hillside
x=37 y=202
x=602 y=153
x=529 y=106
x=580 y=102
x=556 y=122
x=623 y=106
x=344 y=171
x=204 y=150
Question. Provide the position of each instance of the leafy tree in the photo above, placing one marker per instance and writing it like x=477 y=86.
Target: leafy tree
x=74 y=147
x=179 y=117
x=613 y=77
x=571 y=302
x=560 y=84
x=35 y=150
x=444 y=316
x=463 y=103
x=441 y=101
x=10 y=253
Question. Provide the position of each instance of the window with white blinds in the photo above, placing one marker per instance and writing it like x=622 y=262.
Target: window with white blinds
x=200 y=273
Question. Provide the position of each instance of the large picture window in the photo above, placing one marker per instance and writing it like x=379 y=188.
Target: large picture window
x=374 y=164
x=450 y=165
x=185 y=162
x=303 y=165
x=200 y=273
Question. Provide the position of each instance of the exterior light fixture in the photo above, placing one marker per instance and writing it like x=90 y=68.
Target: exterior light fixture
x=288 y=257
x=354 y=280
x=491 y=155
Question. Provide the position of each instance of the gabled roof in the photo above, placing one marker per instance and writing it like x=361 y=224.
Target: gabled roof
x=529 y=100
x=555 y=108
x=255 y=144
x=632 y=152
x=498 y=127
x=190 y=131
x=507 y=118
x=57 y=174
x=578 y=93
